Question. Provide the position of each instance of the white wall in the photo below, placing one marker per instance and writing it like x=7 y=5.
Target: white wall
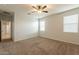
x=54 y=28
x=24 y=27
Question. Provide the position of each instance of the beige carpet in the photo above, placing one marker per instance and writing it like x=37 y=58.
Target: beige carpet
x=38 y=46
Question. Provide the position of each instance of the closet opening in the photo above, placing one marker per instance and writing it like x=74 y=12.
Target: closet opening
x=6 y=23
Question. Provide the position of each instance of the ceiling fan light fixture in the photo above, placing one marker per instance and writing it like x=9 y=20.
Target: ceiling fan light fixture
x=39 y=11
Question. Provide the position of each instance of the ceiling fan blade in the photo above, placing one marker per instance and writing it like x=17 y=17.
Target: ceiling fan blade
x=45 y=11
x=28 y=13
x=31 y=12
x=39 y=7
x=44 y=7
x=34 y=7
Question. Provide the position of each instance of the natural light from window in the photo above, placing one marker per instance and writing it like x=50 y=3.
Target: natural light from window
x=35 y=25
x=42 y=25
x=71 y=23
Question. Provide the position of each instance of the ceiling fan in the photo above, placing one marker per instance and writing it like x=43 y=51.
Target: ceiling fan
x=39 y=9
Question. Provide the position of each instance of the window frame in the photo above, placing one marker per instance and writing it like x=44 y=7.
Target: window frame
x=71 y=23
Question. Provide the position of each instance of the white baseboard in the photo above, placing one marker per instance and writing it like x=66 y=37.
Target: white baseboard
x=76 y=43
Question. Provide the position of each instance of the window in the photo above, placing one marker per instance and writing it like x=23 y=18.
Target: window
x=35 y=25
x=42 y=25
x=71 y=23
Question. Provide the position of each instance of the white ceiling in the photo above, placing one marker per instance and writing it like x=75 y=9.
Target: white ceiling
x=52 y=8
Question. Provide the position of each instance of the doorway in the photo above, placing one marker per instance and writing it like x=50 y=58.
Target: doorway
x=5 y=27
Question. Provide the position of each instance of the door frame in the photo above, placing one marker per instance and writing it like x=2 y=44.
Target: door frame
x=12 y=27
